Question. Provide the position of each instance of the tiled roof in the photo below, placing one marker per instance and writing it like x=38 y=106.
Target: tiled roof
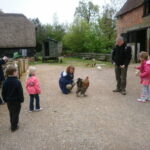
x=129 y=5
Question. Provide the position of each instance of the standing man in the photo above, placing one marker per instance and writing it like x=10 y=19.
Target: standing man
x=121 y=56
x=2 y=78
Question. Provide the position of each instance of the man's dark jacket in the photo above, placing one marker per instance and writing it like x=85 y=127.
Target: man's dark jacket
x=12 y=90
x=1 y=70
x=121 y=55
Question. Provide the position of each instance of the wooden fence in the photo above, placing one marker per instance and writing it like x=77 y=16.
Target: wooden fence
x=21 y=64
x=97 y=56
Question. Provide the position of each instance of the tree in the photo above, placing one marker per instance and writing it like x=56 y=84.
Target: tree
x=74 y=39
x=107 y=25
x=55 y=31
x=58 y=30
x=90 y=31
x=117 y=4
x=1 y=11
x=40 y=33
x=82 y=37
x=87 y=10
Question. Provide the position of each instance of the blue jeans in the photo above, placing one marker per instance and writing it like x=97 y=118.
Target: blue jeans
x=37 y=99
x=145 y=95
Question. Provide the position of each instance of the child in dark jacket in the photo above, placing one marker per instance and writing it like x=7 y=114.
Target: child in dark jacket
x=12 y=94
x=66 y=82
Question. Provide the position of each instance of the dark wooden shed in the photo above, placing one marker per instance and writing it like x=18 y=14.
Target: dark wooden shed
x=51 y=49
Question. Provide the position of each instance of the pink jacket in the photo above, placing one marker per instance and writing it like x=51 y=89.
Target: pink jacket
x=32 y=85
x=144 y=70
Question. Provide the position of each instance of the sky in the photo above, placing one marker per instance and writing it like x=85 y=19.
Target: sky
x=45 y=10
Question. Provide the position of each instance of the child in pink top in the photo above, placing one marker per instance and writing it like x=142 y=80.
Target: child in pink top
x=33 y=88
x=144 y=73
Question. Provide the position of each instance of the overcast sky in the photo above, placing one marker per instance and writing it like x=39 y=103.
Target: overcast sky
x=45 y=9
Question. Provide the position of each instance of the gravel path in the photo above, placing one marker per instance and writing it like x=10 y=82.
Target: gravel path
x=101 y=121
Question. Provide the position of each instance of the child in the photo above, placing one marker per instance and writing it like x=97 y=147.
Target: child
x=144 y=73
x=12 y=94
x=33 y=88
x=66 y=82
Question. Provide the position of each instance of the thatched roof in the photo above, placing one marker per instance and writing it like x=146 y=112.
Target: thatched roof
x=129 y=6
x=16 y=31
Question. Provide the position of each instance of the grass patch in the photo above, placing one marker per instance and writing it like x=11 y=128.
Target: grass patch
x=35 y=62
x=82 y=62
x=73 y=61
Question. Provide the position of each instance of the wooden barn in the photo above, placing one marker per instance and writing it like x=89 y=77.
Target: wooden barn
x=133 y=22
x=17 y=34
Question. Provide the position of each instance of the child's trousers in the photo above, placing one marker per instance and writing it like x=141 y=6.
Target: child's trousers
x=145 y=92
x=14 y=111
x=37 y=99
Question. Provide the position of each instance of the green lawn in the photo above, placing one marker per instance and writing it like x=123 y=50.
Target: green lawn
x=74 y=61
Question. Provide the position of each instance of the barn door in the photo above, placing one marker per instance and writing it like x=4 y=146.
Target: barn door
x=46 y=48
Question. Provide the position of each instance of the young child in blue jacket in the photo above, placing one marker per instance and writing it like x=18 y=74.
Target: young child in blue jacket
x=12 y=93
x=66 y=82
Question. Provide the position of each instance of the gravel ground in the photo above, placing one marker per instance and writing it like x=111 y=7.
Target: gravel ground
x=102 y=121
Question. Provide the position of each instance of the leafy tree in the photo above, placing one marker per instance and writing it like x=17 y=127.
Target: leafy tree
x=87 y=10
x=91 y=30
x=55 y=31
x=40 y=33
x=58 y=30
x=82 y=37
x=98 y=35
x=107 y=25
x=74 y=39
x=117 y=4
x=1 y=11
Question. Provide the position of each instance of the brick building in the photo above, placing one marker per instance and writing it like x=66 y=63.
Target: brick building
x=133 y=23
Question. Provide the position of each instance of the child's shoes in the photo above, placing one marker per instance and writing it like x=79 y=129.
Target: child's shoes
x=39 y=109
x=30 y=111
x=36 y=110
x=141 y=100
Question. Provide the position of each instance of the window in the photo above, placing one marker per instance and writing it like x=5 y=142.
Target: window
x=147 y=8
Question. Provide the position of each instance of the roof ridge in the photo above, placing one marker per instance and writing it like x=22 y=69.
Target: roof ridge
x=12 y=14
x=129 y=6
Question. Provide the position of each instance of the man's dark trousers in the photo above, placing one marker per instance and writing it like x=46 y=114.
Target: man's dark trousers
x=14 y=111
x=121 y=75
x=1 y=101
